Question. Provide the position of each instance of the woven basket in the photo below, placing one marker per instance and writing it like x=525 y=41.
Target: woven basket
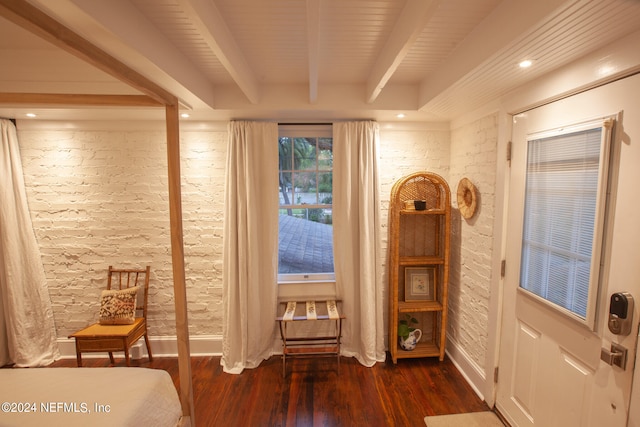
x=467 y=196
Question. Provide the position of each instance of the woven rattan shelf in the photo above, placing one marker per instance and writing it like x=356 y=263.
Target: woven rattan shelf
x=419 y=247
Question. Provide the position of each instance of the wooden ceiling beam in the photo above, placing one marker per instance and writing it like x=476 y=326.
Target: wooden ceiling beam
x=32 y=19
x=79 y=99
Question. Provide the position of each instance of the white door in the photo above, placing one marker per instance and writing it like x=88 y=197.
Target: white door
x=550 y=369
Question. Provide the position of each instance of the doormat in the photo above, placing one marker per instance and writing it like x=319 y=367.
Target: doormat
x=473 y=419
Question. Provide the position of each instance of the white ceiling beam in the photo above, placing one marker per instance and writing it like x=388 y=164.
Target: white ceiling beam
x=313 y=43
x=205 y=16
x=413 y=18
x=508 y=23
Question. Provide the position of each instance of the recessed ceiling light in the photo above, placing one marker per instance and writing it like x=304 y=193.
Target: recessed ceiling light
x=30 y=115
x=400 y=116
x=184 y=115
x=526 y=63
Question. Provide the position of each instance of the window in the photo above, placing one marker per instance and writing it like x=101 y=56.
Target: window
x=563 y=220
x=305 y=233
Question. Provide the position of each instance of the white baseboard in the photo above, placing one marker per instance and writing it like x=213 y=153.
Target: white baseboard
x=474 y=374
x=165 y=346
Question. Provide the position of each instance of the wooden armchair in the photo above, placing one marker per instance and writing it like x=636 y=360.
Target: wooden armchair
x=123 y=316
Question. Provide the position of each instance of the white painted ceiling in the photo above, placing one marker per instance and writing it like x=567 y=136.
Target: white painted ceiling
x=310 y=60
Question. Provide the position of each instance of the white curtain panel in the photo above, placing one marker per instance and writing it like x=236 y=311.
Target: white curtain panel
x=356 y=239
x=250 y=245
x=27 y=329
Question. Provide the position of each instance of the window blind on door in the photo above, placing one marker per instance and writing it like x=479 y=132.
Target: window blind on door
x=562 y=224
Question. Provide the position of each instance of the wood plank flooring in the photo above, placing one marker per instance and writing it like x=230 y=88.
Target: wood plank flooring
x=313 y=394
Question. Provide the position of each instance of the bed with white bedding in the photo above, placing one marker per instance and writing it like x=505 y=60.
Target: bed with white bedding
x=88 y=396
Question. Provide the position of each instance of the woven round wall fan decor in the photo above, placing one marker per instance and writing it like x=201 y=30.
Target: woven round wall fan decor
x=467 y=198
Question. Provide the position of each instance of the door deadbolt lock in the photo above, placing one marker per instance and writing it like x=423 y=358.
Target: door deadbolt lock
x=620 y=313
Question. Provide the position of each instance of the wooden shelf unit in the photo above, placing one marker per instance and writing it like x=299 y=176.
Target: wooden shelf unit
x=419 y=238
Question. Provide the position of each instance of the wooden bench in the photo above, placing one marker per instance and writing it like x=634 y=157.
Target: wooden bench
x=310 y=311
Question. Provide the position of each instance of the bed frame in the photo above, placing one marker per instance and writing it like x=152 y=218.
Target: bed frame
x=22 y=13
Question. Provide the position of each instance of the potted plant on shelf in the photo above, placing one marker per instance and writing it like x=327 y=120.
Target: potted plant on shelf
x=407 y=334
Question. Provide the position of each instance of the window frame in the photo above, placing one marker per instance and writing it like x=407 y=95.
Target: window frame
x=599 y=223
x=306 y=131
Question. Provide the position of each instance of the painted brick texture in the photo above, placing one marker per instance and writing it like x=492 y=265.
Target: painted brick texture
x=473 y=155
x=99 y=198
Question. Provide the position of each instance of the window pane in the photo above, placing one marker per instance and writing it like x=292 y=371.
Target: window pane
x=285 y=153
x=305 y=228
x=305 y=153
x=305 y=187
x=305 y=245
x=325 y=188
x=286 y=188
x=559 y=220
x=325 y=158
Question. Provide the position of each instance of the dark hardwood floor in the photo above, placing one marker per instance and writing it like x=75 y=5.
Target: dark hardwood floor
x=313 y=394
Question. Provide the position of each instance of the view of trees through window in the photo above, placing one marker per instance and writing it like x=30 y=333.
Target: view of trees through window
x=305 y=188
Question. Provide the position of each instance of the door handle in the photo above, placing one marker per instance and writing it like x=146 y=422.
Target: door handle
x=616 y=356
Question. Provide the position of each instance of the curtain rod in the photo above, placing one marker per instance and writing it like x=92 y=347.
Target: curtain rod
x=305 y=124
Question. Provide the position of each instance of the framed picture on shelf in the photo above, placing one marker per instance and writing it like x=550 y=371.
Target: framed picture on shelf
x=419 y=284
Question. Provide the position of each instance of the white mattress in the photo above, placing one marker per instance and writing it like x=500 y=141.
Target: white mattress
x=88 y=396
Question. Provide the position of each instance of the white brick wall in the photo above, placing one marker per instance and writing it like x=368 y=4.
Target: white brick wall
x=403 y=152
x=409 y=151
x=203 y=167
x=473 y=155
x=99 y=197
